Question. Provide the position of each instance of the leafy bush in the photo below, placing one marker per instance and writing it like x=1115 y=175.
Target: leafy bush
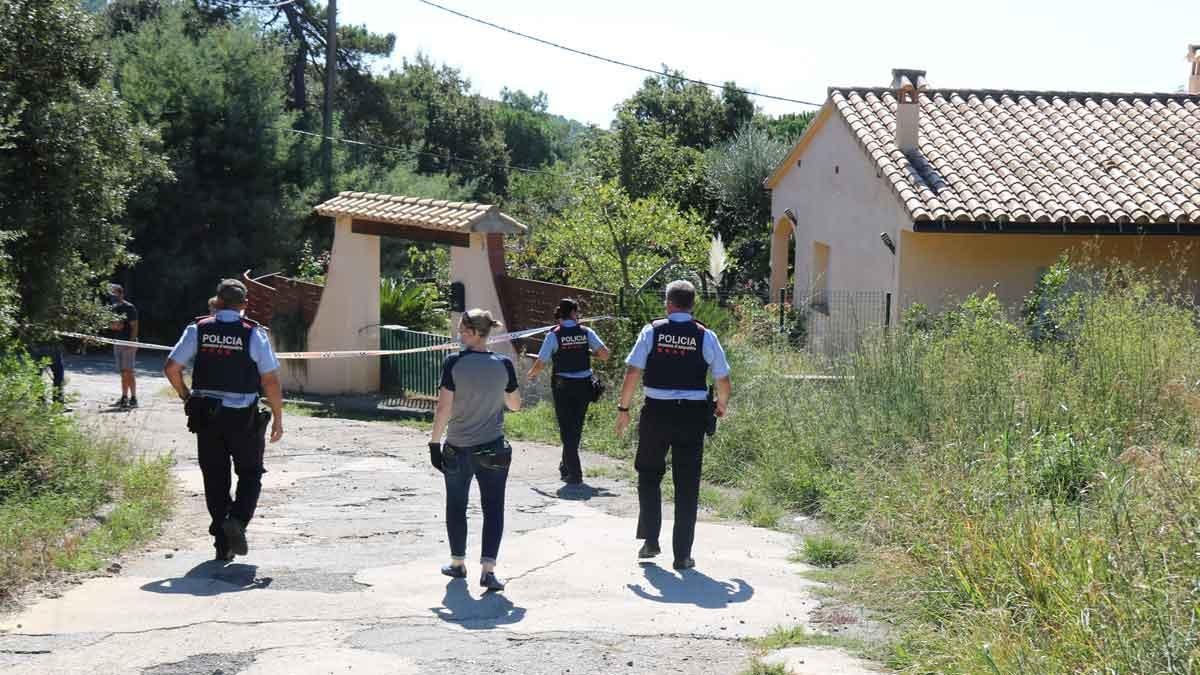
x=413 y=305
x=828 y=551
x=53 y=473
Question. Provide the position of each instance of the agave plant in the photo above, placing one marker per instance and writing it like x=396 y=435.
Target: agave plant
x=414 y=305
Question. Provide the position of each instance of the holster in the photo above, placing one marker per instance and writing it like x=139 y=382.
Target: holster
x=710 y=425
x=494 y=455
x=262 y=419
x=200 y=412
x=597 y=388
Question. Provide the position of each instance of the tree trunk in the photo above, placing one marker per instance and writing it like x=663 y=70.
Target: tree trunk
x=299 y=93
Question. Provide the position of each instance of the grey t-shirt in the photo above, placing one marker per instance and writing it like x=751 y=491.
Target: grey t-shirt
x=479 y=381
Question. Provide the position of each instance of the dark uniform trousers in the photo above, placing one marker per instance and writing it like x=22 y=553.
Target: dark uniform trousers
x=231 y=435
x=677 y=426
x=571 y=399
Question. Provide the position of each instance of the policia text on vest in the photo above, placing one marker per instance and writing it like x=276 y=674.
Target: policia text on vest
x=569 y=348
x=673 y=357
x=233 y=367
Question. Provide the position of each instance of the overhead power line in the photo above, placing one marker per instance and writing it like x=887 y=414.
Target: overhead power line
x=612 y=61
x=423 y=153
x=254 y=5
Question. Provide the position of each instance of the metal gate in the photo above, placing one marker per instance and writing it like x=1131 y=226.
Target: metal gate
x=411 y=374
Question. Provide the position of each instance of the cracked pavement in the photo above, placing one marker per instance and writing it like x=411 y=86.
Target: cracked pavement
x=343 y=571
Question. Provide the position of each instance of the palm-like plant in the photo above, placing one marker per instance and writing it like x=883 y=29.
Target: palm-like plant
x=410 y=304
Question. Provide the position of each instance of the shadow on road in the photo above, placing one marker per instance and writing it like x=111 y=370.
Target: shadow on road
x=484 y=613
x=691 y=588
x=580 y=492
x=147 y=364
x=212 y=577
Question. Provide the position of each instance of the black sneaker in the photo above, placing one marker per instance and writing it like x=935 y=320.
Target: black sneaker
x=455 y=571
x=133 y=402
x=649 y=550
x=122 y=403
x=685 y=564
x=235 y=536
x=490 y=581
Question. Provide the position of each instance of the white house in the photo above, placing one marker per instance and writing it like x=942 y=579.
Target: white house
x=926 y=195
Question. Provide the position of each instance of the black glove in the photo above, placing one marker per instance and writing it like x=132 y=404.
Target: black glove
x=435 y=456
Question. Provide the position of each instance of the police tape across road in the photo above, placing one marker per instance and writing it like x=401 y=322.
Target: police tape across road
x=353 y=354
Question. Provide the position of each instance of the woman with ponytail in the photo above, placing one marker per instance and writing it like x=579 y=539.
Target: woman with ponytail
x=569 y=348
x=477 y=386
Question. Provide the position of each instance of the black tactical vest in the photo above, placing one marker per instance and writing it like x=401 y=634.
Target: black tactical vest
x=676 y=358
x=223 y=360
x=574 y=353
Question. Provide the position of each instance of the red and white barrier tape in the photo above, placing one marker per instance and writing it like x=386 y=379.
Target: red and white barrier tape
x=349 y=354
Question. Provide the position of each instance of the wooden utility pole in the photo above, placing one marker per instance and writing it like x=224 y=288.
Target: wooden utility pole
x=330 y=83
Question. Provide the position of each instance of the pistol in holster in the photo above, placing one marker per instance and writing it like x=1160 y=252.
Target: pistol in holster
x=710 y=426
x=200 y=412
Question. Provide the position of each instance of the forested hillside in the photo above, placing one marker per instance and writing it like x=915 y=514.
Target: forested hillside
x=173 y=142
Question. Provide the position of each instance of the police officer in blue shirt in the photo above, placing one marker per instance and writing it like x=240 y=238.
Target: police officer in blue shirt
x=233 y=363
x=673 y=357
x=569 y=347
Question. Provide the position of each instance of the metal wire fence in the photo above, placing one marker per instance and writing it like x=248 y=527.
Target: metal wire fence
x=827 y=323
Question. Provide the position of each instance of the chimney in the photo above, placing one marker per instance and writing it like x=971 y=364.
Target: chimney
x=1194 y=60
x=908 y=84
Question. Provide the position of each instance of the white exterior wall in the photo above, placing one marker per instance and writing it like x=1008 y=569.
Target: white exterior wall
x=840 y=201
x=471 y=267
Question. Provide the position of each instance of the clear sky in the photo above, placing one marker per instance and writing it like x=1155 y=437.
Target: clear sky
x=796 y=49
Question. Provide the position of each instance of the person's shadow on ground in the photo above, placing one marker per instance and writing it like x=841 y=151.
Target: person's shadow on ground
x=212 y=577
x=485 y=613
x=691 y=588
x=578 y=492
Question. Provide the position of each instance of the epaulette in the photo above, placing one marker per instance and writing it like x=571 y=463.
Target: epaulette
x=201 y=318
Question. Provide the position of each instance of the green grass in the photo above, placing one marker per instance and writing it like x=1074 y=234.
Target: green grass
x=145 y=498
x=797 y=636
x=757 y=667
x=56 y=476
x=1039 y=498
x=828 y=551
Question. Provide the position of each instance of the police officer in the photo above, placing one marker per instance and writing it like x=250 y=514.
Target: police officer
x=569 y=347
x=233 y=360
x=673 y=357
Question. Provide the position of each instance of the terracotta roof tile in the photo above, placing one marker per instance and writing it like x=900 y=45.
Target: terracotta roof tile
x=414 y=211
x=1047 y=157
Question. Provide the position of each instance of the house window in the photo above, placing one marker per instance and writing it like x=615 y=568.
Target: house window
x=820 y=277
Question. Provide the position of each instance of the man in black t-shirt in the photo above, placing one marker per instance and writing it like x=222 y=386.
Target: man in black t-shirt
x=124 y=327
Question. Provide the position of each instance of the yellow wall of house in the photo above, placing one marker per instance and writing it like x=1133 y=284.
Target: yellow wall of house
x=941 y=269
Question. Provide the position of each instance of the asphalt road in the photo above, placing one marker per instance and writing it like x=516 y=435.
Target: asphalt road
x=342 y=575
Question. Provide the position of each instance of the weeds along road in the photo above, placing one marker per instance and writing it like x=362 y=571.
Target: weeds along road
x=342 y=575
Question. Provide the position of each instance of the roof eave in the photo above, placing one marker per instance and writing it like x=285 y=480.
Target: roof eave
x=797 y=150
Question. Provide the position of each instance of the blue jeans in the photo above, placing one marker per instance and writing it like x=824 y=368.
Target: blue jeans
x=491 y=472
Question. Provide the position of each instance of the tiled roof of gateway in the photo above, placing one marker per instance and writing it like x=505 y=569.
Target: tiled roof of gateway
x=427 y=213
x=1037 y=157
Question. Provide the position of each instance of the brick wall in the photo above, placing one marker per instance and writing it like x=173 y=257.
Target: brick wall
x=531 y=304
x=276 y=294
x=495 y=249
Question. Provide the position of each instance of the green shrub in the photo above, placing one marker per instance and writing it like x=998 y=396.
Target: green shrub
x=828 y=551
x=53 y=474
x=416 y=306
